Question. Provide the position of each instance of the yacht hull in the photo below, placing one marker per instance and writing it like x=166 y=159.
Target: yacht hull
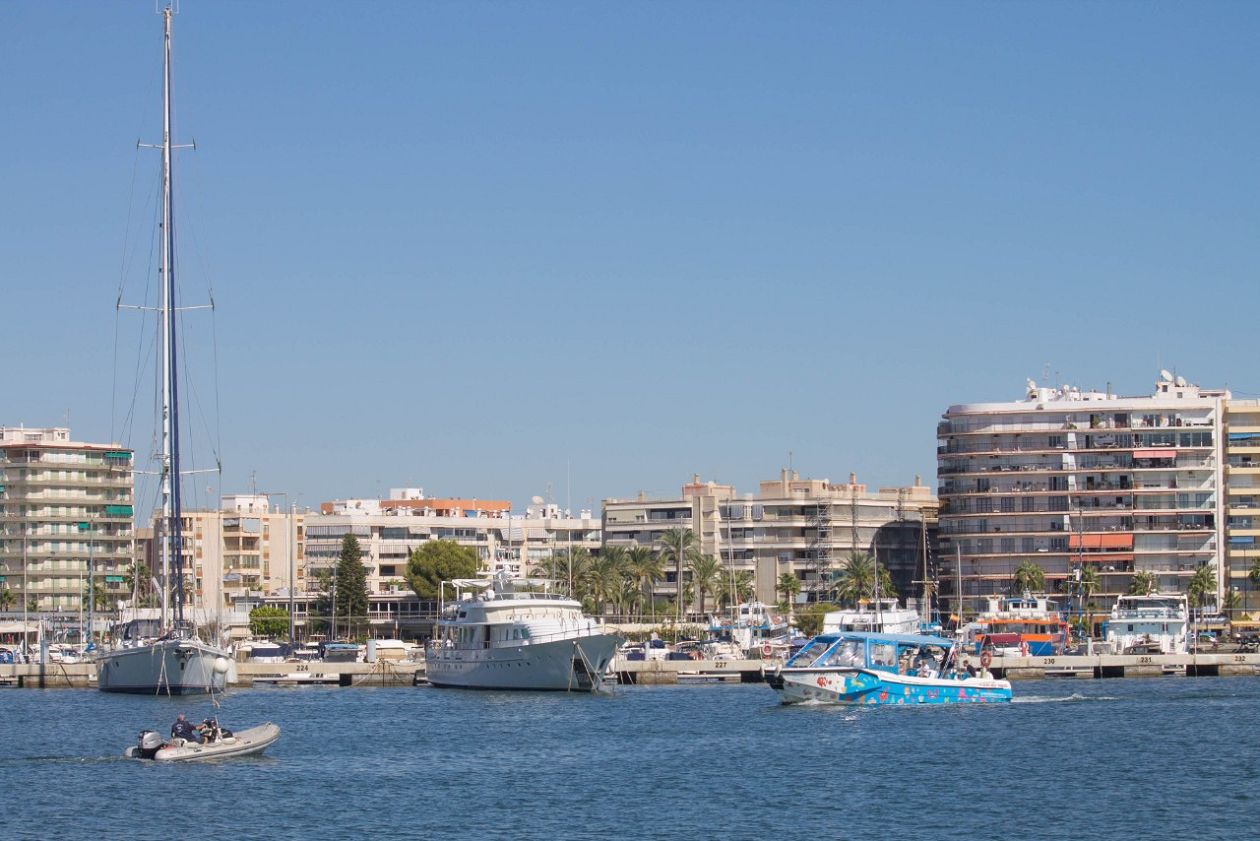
x=860 y=687
x=574 y=664
x=173 y=667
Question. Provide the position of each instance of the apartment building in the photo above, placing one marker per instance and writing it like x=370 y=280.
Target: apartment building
x=389 y=529
x=66 y=512
x=246 y=550
x=1070 y=478
x=805 y=527
x=1242 y=481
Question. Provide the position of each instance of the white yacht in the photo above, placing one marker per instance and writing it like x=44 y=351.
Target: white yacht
x=495 y=637
x=875 y=617
x=1152 y=624
x=176 y=662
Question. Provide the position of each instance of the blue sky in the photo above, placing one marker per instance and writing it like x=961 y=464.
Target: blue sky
x=493 y=249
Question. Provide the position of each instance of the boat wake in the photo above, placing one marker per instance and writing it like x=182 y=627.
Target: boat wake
x=1062 y=699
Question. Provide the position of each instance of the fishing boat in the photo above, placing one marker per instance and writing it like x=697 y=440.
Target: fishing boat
x=867 y=669
x=1148 y=624
x=494 y=636
x=176 y=662
x=219 y=744
x=1027 y=625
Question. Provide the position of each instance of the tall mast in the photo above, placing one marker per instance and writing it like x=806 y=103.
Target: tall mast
x=172 y=555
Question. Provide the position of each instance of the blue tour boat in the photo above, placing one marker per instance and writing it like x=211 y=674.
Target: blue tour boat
x=895 y=669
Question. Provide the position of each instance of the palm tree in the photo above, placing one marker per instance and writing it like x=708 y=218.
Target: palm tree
x=789 y=586
x=1143 y=583
x=7 y=599
x=1232 y=601
x=706 y=572
x=678 y=546
x=647 y=569
x=855 y=579
x=1029 y=578
x=738 y=588
x=1202 y=584
x=602 y=577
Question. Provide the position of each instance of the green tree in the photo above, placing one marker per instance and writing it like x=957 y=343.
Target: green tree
x=352 y=591
x=321 y=611
x=1202 y=586
x=571 y=567
x=810 y=618
x=436 y=561
x=678 y=547
x=7 y=598
x=1029 y=578
x=789 y=585
x=1232 y=601
x=737 y=588
x=705 y=575
x=855 y=580
x=1143 y=583
x=269 y=621
x=647 y=569
x=604 y=574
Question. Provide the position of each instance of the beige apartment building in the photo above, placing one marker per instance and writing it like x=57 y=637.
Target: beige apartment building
x=805 y=527
x=1242 y=481
x=242 y=553
x=1071 y=478
x=66 y=508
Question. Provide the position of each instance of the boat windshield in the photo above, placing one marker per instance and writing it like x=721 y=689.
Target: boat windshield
x=807 y=655
x=845 y=653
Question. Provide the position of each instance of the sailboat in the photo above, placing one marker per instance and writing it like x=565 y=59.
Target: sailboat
x=175 y=662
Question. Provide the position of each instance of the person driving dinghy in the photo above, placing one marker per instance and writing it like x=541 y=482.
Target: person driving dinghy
x=183 y=729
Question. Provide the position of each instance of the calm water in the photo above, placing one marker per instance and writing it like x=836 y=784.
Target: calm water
x=1140 y=759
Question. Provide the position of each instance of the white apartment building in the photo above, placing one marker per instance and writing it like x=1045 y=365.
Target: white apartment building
x=1069 y=478
x=65 y=506
x=805 y=527
x=389 y=529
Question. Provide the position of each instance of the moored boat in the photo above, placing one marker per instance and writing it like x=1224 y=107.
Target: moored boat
x=881 y=616
x=1028 y=625
x=494 y=637
x=865 y=669
x=1148 y=624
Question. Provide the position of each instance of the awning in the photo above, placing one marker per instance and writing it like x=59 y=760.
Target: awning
x=1154 y=453
x=1120 y=540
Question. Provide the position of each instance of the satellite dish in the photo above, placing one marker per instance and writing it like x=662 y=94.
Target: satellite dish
x=537 y=500
x=1181 y=382
x=1165 y=375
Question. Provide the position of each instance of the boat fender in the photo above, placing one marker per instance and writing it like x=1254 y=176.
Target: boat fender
x=986 y=657
x=766 y=650
x=1023 y=648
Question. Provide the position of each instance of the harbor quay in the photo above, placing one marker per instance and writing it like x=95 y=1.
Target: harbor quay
x=656 y=672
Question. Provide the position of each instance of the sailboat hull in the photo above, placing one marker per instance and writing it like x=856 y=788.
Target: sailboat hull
x=171 y=667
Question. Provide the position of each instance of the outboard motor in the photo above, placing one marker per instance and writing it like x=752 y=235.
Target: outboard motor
x=149 y=744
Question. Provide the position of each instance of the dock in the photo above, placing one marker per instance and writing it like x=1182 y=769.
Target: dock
x=646 y=672
x=83 y=675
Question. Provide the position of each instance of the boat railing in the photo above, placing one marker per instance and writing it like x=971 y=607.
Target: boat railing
x=582 y=632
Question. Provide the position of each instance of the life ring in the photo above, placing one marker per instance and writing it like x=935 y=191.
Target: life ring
x=766 y=650
x=986 y=657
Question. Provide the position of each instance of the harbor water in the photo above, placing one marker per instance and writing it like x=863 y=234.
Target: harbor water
x=1161 y=758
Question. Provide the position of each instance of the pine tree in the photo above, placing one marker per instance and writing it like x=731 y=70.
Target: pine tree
x=352 y=592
